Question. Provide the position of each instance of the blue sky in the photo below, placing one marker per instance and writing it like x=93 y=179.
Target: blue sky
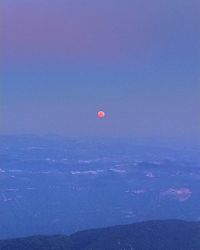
x=62 y=61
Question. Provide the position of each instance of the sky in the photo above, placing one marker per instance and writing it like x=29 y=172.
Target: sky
x=63 y=60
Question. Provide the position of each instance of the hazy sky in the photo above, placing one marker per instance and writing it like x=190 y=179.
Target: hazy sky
x=63 y=60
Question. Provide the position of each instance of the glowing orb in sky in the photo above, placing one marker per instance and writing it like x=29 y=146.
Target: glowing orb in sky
x=101 y=114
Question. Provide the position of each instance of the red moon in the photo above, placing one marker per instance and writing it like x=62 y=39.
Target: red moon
x=101 y=114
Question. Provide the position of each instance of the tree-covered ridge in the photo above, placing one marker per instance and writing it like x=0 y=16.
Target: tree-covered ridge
x=151 y=235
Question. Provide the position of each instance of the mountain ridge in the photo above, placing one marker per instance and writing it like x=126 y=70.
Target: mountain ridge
x=150 y=235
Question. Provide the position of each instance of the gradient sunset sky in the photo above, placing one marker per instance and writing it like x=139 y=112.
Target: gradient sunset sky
x=62 y=61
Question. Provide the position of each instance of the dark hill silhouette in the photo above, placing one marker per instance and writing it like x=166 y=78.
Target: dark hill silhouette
x=151 y=235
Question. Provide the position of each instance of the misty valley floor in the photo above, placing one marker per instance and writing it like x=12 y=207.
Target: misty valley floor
x=61 y=186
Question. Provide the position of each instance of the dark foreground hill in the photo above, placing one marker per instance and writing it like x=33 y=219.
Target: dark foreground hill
x=151 y=235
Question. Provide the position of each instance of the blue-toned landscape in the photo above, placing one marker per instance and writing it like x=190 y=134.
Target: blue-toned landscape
x=56 y=185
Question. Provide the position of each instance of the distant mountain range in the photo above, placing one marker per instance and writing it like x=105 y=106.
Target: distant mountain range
x=151 y=235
